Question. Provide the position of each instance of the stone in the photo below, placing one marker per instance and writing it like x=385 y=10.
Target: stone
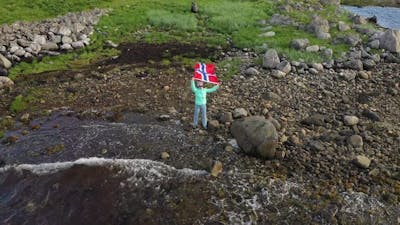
x=66 y=47
x=3 y=71
x=317 y=66
x=299 y=43
x=330 y=2
x=328 y=53
x=4 y=62
x=278 y=19
x=20 y=52
x=359 y=19
x=251 y=71
x=280 y=154
x=313 y=71
x=164 y=117
x=351 y=120
x=256 y=136
x=50 y=46
x=226 y=117
x=342 y=26
x=110 y=44
x=356 y=141
x=271 y=59
x=318 y=25
x=312 y=48
x=77 y=28
x=278 y=74
x=354 y=64
x=363 y=75
x=64 y=31
x=5 y=82
x=24 y=43
x=35 y=48
x=390 y=40
x=165 y=155
x=272 y=96
x=39 y=39
x=284 y=66
x=374 y=44
x=239 y=113
x=217 y=169
x=268 y=34
x=352 y=39
x=316 y=119
x=323 y=35
x=316 y=146
x=362 y=161
x=194 y=8
x=371 y=115
x=24 y=118
x=368 y=64
x=66 y=40
x=77 y=44
x=213 y=125
x=3 y=48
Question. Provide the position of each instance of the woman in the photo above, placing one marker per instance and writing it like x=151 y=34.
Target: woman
x=201 y=101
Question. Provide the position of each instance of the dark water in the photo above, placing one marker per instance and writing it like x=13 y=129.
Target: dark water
x=388 y=17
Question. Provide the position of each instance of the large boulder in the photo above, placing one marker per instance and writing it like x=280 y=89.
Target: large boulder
x=271 y=59
x=390 y=40
x=256 y=136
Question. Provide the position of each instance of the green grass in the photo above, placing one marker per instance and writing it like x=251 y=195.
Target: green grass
x=158 y=21
x=19 y=104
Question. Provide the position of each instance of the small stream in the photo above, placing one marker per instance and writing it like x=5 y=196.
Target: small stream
x=388 y=17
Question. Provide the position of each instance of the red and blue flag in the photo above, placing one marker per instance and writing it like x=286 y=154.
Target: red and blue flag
x=205 y=72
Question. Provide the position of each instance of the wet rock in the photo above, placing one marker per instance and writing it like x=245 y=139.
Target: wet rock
x=216 y=169
x=271 y=59
x=362 y=161
x=356 y=141
x=239 y=113
x=256 y=136
x=350 y=120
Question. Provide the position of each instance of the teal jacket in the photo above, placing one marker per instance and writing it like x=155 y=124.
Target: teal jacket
x=201 y=93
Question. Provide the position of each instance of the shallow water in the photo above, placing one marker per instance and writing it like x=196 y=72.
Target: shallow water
x=388 y=17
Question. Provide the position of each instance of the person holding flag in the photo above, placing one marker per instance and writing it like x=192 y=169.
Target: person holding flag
x=203 y=73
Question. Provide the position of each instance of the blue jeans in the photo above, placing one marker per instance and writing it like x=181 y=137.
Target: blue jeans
x=197 y=109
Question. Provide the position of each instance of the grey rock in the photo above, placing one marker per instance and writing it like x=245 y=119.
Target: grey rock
x=24 y=43
x=50 y=46
x=226 y=117
x=369 y=64
x=77 y=28
x=56 y=39
x=374 y=44
x=359 y=20
x=268 y=34
x=278 y=74
x=251 y=71
x=13 y=49
x=256 y=136
x=278 y=19
x=3 y=49
x=313 y=71
x=39 y=39
x=355 y=64
x=330 y=2
x=77 y=44
x=362 y=161
x=351 y=120
x=64 y=31
x=239 y=113
x=328 y=53
x=66 y=40
x=272 y=96
x=3 y=72
x=194 y=8
x=35 y=47
x=108 y=43
x=4 y=62
x=317 y=66
x=390 y=41
x=323 y=35
x=352 y=39
x=300 y=43
x=213 y=125
x=312 y=48
x=20 y=52
x=316 y=119
x=28 y=55
x=342 y=26
x=316 y=146
x=271 y=59
x=363 y=75
x=5 y=82
x=284 y=66
x=376 y=58
x=66 y=47
x=318 y=25
x=356 y=141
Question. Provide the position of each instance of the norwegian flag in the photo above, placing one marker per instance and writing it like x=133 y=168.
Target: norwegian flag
x=205 y=72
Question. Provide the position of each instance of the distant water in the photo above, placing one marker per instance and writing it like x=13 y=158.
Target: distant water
x=388 y=17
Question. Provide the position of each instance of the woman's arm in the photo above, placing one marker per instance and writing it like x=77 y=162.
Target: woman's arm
x=193 y=85
x=209 y=90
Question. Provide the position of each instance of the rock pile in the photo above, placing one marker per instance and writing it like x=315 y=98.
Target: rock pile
x=24 y=41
